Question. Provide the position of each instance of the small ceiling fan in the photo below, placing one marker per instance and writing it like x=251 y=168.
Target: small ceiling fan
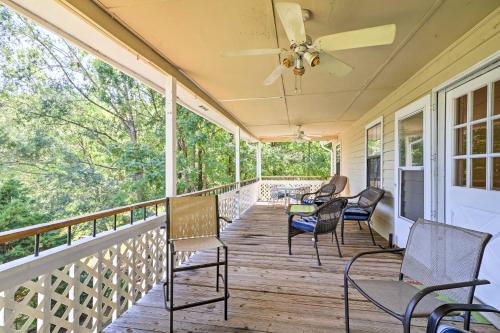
x=304 y=50
x=299 y=135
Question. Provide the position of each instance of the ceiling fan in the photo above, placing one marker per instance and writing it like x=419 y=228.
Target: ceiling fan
x=300 y=136
x=314 y=53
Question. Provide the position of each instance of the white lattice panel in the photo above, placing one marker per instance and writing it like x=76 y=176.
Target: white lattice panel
x=228 y=206
x=266 y=185
x=88 y=292
x=248 y=196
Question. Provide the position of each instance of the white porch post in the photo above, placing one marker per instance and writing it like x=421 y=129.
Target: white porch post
x=237 y=170
x=258 y=160
x=170 y=136
x=332 y=159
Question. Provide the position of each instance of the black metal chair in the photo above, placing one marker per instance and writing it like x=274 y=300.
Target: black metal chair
x=439 y=260
x=193 y=225
x=434 y=326
x=362 y=210
x=322 y=220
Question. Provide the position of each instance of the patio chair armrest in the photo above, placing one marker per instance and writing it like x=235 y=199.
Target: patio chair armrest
x=225 y=219
x=362 y=254
x=442 y=311
x=427 y=290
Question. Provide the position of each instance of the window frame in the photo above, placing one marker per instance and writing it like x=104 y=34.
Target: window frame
x=469 y=156
x=375 y=122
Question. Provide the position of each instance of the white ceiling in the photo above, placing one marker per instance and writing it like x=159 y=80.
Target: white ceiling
x=193 y=34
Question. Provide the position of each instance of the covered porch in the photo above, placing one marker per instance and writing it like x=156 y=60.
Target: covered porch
x=418 y=118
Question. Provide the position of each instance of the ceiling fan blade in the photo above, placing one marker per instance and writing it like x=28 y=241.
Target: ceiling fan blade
x=333 y=65
x=290 y=15
x=254 y=52
x=275 y=74
x=381 y=35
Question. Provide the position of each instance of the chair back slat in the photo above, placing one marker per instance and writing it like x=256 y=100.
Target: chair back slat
x=438 y=253
x=191 y=217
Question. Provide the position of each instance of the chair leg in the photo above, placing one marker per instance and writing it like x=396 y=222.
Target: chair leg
x=467 y=321
x=371 y=232
x=316 y=247
x=217 y=276
x=359 y=225
x=171 y=293
x=342 y=231
x=167 y=275
x=226 y=291
x=337 y=241
x=346 y=304
x=290 y=235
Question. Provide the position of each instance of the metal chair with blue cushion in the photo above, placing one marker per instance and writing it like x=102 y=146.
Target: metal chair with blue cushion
x=362 y=210
x=434 y=323
x=322 y=220
x=326 y=192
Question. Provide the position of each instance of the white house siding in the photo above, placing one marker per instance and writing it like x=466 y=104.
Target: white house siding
x=477 y=44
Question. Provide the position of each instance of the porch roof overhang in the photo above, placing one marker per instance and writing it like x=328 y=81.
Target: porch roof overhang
x=186 y=39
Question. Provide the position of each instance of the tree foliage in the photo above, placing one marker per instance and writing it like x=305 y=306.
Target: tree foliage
x=78 y=136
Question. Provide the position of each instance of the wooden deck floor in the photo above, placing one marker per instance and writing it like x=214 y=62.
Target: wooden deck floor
x=270 y=290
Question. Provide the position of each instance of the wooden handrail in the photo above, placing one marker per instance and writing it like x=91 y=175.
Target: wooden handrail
x=38 y=229
x=16 y=234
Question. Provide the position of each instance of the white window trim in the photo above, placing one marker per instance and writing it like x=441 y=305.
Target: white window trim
x=379 y=120
x=423 y=104
x=468 y=89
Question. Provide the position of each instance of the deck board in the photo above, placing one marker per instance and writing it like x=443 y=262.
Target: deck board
x=270 y=290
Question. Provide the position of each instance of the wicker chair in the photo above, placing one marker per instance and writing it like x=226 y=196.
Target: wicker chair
x=193 y=225
x=362 y=210
x=322 y=220
x=433 y=324
x=440 y=265
x=326 y=192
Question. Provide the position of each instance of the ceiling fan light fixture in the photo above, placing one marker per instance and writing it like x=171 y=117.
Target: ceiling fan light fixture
x=312 y=58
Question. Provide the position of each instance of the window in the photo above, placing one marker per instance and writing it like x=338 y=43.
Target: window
x=411 y=166
x=476 y=131
x=374 y=154
x=338 y=158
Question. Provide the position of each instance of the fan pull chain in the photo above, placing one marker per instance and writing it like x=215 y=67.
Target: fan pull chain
x=298 y=84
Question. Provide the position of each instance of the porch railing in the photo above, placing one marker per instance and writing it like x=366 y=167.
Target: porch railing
x=89 y=282
x=267 y=183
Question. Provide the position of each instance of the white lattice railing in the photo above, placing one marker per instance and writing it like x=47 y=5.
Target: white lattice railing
x=86 y=284
x=266 y=185
x=83 y=286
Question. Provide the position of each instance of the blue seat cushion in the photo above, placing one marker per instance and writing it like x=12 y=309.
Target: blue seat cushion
x=355 y=213
x=308 y=201
x=307 y=223
x=449 y=329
